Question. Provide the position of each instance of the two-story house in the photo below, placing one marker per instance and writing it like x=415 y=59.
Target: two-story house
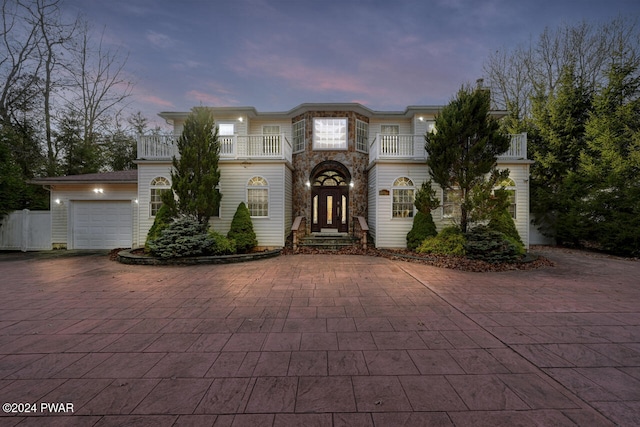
x=328 y=163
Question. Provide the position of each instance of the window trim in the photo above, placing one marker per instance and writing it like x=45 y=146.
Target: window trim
x=298 y=136
x=452 y=204
x=362 y=136
x=394 y=188
x=509 y=185
x=256 y=187
x=154 y=186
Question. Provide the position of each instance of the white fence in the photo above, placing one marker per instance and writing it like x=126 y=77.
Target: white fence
x=26 y=231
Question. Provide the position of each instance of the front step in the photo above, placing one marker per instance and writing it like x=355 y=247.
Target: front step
x=328 y=241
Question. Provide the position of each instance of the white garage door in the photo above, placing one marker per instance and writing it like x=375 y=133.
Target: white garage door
x=102 y=225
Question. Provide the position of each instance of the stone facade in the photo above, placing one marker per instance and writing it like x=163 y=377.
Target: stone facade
x=355 y=161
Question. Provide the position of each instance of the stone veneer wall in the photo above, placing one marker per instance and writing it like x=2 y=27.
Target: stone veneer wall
x=356 y=162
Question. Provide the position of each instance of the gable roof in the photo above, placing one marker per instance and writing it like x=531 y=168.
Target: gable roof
x=118 y=177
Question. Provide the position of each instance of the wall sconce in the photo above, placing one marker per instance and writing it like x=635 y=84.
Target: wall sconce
x=308 y=184
x=59 y=202
x=136 y=201
x=351 y=184
x=421 y=118
x=241 y=119
x=98 y=190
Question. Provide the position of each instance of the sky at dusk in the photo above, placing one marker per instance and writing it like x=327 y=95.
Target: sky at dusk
x=276 y=54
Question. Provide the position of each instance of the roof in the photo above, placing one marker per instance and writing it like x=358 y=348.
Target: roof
x=117 y=177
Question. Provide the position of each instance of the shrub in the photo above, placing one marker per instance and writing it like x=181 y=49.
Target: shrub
x=241 y=230
x=220 y=245
x=491 y=246
x=182 y=238
x=450 y=241
x=502 y=222
x=423 y=227
x=163 y=219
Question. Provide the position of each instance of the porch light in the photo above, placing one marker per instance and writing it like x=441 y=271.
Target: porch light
x=421 y=118
x=308 y=184
x=58 y=202
x=351 y=184
x=241 y=119
x=98 y=190
x=136 y=201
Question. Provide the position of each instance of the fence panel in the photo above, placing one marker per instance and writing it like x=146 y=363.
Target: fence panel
x=26 y=231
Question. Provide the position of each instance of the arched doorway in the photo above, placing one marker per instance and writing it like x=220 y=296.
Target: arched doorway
x=330 y=197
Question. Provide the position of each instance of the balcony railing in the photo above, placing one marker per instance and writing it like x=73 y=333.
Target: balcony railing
x=164 y=147
x=411 y=147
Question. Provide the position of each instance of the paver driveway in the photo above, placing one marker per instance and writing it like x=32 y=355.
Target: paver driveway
x=317 y=340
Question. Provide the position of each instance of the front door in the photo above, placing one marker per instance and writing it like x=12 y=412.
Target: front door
x=330 y=205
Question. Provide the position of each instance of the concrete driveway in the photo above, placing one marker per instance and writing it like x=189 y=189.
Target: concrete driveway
x=318 y=340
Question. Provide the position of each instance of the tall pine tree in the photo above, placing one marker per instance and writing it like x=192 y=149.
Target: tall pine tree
x=464 y=148
x=195 y=174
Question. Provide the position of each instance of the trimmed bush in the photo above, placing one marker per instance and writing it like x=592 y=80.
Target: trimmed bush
x=241 y=230
x=502 y=222
x=163 y=219
x=491 y=246
x=220 y=245
x=450 y=241
x=182 y=238
x=422 y=228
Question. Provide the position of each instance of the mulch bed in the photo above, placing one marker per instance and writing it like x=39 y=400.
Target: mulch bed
x=443 y=261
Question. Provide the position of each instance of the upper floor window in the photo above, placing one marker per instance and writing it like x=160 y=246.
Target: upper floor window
x=225 y=129
x=258 y=197
x=403 y=196
x=330 y=133
x=270 y=139
x=158 y=186
x=362 y=136
x=298 y=136
x=389 y=138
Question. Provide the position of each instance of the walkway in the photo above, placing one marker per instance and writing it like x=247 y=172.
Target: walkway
x=319 y=340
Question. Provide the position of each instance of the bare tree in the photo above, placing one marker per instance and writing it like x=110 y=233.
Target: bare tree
x=20 y=61
x=535 y=68
x=99 y=86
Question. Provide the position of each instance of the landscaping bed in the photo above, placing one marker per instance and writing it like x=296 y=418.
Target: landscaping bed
x=138 y=257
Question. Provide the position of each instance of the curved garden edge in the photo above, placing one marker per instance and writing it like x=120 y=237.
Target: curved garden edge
x=126 y=257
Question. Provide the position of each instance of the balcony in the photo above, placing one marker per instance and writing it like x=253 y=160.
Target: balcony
x=411 y=147
x=232 y=147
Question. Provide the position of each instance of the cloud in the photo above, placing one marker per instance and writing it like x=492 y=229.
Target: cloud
x=155 y=100
x=159 y=40
x=209 y=99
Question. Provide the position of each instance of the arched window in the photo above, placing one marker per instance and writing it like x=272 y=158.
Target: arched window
x=403 y=195
x=159 y=185
x=258 y=197
x=510 y=187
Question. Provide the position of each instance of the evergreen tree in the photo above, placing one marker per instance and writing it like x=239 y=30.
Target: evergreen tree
x=464 y=148
x=195 y=174
x=609 y=209
x=241 y=230
x=556 y=146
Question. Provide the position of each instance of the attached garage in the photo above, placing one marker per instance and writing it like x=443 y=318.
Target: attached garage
x=94 y=211
x=101 y=224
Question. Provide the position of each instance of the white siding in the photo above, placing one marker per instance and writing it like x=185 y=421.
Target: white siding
x=373 y=202
x=234 y=177
x=67 y=194
x=375 y=126
x=392 y=232
x=288 y=201
x=255 y=127
x=519 y=173
x=146 y=173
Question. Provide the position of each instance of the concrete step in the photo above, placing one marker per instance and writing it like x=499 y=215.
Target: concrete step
x=328 y=241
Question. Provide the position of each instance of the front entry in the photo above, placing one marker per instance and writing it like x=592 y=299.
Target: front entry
x=330 y=201
x=330 y=207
